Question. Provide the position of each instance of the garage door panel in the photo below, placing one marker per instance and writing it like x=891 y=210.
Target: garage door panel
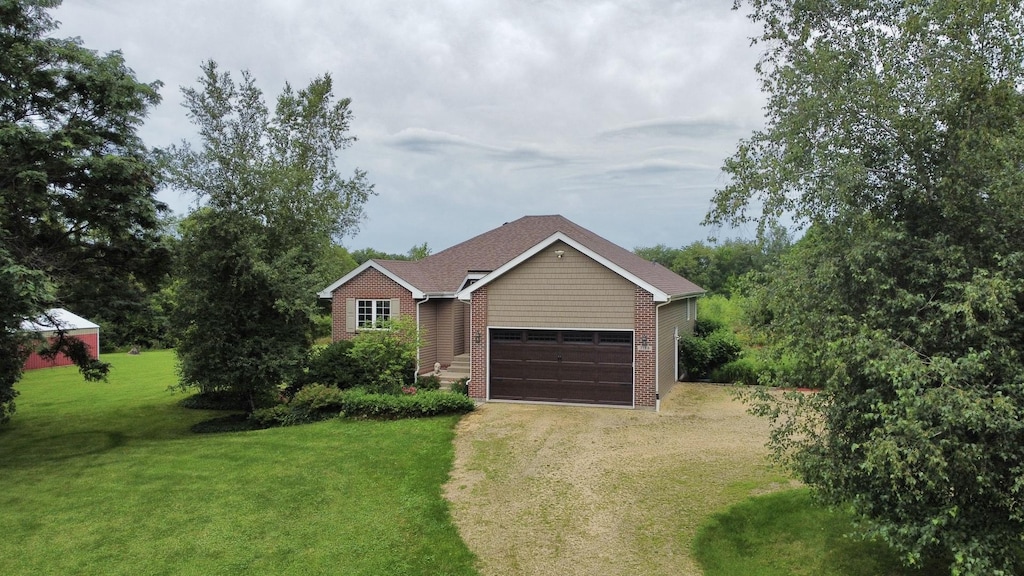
x=570 y=392
x=577 y=353
x=562 y=366
x=578 y=373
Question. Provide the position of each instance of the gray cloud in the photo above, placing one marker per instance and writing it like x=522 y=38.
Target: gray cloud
x=680 y=128
x=425 y=141
x=472 y=113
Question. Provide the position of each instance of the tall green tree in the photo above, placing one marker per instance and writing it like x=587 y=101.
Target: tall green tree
x=78 y=214
x=251 y=258
x=895 y=134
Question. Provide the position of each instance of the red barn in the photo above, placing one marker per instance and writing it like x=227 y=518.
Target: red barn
x=45 y=328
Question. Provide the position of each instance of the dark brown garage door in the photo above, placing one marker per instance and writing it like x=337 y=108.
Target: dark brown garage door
x=587 y=367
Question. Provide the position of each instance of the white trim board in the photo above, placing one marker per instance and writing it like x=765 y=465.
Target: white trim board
x=328 y=292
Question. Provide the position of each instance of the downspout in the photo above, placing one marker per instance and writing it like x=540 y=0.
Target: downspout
x=416 y=376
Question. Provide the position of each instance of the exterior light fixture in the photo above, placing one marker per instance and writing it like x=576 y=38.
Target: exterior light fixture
x=476 y=337
x=559 y=253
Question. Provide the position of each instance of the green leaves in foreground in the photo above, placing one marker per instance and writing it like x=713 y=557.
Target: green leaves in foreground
x=895 y=137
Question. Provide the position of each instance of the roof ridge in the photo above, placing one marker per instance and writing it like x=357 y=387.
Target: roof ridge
x=445 y=271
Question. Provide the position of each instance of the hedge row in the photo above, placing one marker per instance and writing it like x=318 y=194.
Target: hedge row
x=318 y=402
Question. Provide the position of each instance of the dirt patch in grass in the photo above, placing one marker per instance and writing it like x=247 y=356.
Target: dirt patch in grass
x=580 y=491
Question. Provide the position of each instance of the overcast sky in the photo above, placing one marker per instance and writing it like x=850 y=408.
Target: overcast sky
x=615 y=114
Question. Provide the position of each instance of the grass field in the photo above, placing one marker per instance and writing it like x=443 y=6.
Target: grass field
x=106 y=478
x=786 y=534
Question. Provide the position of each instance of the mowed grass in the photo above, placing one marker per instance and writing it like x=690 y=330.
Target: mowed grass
x=106 y=478
x=786 y=534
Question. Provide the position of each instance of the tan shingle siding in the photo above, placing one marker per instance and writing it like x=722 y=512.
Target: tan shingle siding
x=445 y=330
x=670 y=316
x=428 y=336
x=573 y=291
x=460 y=323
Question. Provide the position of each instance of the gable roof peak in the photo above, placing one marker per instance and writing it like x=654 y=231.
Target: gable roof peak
x=443 y=273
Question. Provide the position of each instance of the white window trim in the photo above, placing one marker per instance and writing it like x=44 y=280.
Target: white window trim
x=376 y=313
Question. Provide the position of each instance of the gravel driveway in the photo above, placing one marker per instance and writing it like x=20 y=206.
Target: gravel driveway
x=601 y=491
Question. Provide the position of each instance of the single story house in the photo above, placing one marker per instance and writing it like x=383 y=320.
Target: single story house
x=539 y=309
x=44 y=329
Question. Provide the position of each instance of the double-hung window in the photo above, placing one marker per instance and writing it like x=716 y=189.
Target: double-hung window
x=371 y=313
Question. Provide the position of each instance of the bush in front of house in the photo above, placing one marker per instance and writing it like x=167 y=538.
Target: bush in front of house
x=461 y=386
x=318 y=402
x=387 y=356
x=428 y=382
x=361 y=404
x=332 y=365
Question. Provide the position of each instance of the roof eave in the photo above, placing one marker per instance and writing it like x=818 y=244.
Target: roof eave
x=694 y=294
x=327 y=293
x=466 y=293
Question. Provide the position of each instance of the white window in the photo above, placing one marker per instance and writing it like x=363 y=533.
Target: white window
x=371 y=313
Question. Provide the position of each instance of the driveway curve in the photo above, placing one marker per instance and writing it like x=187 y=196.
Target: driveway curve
x=583 y=491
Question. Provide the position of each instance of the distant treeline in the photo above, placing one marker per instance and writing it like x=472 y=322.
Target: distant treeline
x=718 y=267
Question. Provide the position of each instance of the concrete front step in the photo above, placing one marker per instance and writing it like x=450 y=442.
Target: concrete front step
x=457 y=370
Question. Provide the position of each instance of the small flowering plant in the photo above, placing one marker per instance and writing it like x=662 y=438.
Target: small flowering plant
x=408 y=389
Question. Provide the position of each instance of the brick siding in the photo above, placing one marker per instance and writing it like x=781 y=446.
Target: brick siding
x=644 y=365
x=478 y=346
x=370 y=284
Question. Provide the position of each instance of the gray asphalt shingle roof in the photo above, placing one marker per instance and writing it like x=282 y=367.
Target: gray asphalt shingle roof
x=444 y=272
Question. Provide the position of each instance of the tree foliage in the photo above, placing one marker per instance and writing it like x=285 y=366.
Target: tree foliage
x=418 y=252
x=78 y=214
x=895 y=133
x=252 y=257
x=718 y=267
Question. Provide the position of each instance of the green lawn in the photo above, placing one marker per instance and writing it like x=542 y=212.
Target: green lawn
x=785 y=534
x=106 y=478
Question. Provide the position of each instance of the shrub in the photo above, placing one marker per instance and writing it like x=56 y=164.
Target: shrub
x=429 y=382
x=318 y=402
x=703 y=327
x=461 y=386
x=387 y=357
x=361 y=404
x=746 y=371
x=315 y=402
x=724 y=348
x=279 y=415
x=700 y=355
x=332 y=366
